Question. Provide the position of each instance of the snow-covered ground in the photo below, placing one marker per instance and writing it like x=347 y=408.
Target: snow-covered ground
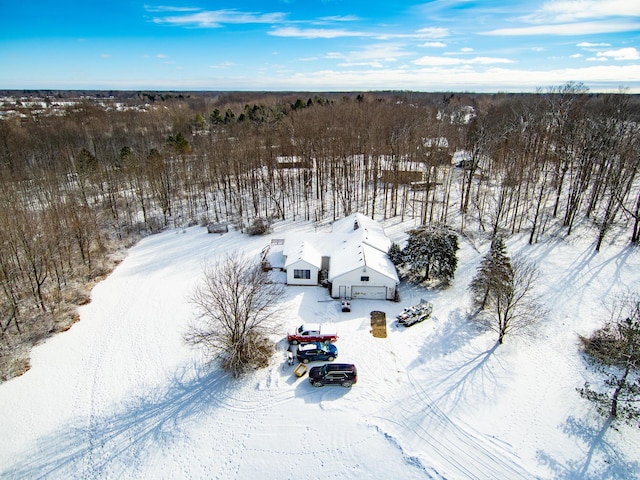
x=121 y=396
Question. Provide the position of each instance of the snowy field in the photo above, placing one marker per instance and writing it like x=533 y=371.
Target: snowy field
x=120 y=395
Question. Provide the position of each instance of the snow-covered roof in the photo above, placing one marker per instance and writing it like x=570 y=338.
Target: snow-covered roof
x=437 y=142
x=368 y=231
x=460 y=155
x=297 y=248
x=354 y=256
x=355 y=242
x=380 y=262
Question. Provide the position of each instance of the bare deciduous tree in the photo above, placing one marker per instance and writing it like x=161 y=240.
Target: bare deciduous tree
x=512 y=303
x=235 y=304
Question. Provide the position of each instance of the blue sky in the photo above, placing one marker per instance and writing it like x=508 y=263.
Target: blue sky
x=324 y=45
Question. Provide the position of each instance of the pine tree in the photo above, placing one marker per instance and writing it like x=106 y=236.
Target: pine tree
x=506 y=291
x=614 y=350
x=493 y=273
x=445 y=260
x=434 y=251
x=396 y=255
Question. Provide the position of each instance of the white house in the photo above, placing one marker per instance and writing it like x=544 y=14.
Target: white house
x=302 y=261
x=354 y=256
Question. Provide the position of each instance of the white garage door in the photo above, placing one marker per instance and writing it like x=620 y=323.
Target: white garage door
x=375 y=293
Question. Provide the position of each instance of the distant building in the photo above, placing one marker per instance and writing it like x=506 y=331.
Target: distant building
x=217 y=228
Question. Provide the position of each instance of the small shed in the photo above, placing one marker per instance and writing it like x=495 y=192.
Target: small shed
x=217 y=228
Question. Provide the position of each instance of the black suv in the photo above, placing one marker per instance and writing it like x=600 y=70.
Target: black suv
x=343 y=374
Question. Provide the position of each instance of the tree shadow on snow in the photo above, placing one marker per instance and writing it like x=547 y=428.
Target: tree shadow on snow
x=585 y=270
x=601 y=460
x=468 y=377
x=451 y=335
x=92 y=447
x=464 y=370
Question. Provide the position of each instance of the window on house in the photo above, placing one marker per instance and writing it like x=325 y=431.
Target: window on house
x=364 y=279
x=306 y=274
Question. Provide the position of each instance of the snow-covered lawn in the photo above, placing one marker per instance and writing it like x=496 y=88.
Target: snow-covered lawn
x=121 y=396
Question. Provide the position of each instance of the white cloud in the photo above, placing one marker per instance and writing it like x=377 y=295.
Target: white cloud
x=488 y=60
x=447 y=78
x=576 y=55
x=433 y=45
x=217 y=18
x=315 y=33
x=382 y=51
x=433 y=32
x=443 y=61
x=297 y=32
x=371 y=55
x=577 y=17
x=621 y=54
x=466 y=49
x=598 y=77
x=222 y=65
x=577 y=10
x=592 y=45
x=583 y=28
x=437 y=61
x=361 y=64
x=340 y=18
x=160 y=8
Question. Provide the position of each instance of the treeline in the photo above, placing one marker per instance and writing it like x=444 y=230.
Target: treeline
x=75 y=184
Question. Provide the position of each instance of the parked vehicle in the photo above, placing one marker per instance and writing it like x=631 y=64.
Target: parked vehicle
x=343 y=374
x=311 y=352
x=415 y=314
x=312 y=332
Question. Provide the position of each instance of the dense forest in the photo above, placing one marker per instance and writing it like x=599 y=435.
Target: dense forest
x=84 y=174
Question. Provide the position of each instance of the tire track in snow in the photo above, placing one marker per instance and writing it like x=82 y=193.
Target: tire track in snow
x=87 y=405
x=454 y=447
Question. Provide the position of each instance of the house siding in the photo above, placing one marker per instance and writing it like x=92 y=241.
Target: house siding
x=353 y=279
x=302 y=265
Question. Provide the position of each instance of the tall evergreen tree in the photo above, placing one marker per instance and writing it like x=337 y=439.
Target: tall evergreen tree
x=434 y=251
x=493 y=273
x=396 y=254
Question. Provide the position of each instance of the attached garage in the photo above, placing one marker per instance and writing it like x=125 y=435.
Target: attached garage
x=362 y=271
x=352 y=258
x=371 y=293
